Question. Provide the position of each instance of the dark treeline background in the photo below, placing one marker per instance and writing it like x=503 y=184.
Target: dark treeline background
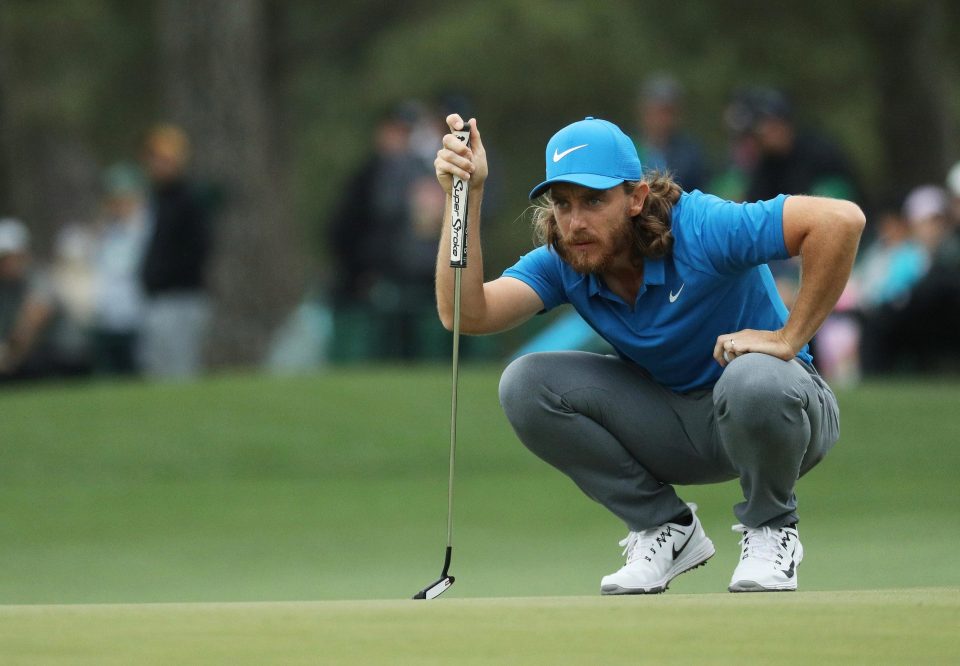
x=279 y=98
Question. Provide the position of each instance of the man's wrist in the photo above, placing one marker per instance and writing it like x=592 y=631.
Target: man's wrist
x=790 y=340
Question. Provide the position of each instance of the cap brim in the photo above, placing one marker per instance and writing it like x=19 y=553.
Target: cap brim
x=591 y=180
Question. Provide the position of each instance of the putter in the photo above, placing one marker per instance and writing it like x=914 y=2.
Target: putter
x=458 y=261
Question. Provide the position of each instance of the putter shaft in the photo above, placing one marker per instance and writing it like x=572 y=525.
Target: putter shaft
x=453 y=408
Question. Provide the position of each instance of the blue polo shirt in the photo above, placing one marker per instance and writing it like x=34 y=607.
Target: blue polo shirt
x=715 y=281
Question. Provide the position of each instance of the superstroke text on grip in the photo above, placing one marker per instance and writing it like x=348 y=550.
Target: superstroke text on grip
x=458 y=212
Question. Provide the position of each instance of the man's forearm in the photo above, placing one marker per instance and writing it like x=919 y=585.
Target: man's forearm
x=827 y=256
x=471 y=288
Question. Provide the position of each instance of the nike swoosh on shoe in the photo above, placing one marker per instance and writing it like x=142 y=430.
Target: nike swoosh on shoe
x=676 y=552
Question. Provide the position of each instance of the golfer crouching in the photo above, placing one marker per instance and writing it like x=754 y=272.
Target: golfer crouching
x=712 y=378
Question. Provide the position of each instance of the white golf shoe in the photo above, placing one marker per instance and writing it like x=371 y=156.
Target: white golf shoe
x=768 y=561
x=658 y=555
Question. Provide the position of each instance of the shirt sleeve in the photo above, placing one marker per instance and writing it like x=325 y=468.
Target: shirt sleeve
x=540 y=270
x=734 y=237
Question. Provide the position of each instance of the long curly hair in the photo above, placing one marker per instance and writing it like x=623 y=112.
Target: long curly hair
x=651 y=227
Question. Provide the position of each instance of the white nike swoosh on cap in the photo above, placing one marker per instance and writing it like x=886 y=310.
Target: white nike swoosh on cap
x=559 y=156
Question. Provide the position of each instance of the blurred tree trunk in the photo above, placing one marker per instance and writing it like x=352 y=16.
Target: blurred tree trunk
x=909 y=39
x=218 y=74
x=6 y=203
x=48 y=175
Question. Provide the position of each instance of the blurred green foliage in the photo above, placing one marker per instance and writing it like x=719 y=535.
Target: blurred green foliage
x=84 y=67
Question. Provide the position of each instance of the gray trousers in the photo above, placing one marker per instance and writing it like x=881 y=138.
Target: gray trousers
x=172 y=336
x=624 y=439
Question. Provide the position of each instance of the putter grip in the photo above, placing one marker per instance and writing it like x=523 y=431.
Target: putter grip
x=458 y=212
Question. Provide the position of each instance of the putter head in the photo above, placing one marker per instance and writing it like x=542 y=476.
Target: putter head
x=442 y=584
x=435 y=589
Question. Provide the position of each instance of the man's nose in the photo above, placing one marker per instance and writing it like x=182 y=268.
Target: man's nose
x=577 y=219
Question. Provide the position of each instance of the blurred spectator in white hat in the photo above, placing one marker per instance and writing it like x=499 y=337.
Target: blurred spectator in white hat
x=927 y=209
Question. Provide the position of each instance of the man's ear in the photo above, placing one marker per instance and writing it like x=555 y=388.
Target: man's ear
x=638 y=197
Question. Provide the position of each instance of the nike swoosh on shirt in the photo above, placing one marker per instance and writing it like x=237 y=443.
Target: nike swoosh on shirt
x=677 y=552
x=675 y=296
x=559 y=156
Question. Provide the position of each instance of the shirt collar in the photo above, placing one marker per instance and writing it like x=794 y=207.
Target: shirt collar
x=653 y=274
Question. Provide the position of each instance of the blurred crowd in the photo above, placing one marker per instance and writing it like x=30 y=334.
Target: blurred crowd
x=123 y=295
x=128 y=295
x=896 y=314
x=382 y=240
x=901 y=309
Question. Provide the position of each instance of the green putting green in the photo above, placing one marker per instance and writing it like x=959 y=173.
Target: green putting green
x=334 y=487
x=893 y=626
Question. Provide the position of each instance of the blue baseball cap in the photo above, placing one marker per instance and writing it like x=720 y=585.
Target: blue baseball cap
x=591 y=152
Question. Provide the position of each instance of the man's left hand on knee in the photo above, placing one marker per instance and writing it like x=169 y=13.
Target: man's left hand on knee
x=731 y=345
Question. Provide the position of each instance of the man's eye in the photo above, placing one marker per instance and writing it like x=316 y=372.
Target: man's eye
x=595 y=201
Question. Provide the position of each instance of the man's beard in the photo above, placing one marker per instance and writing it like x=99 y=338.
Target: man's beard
x=619 y=239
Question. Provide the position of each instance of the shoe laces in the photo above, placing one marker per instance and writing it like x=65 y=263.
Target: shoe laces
x=635 y=544
x=645 y=543
x=762 y=543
